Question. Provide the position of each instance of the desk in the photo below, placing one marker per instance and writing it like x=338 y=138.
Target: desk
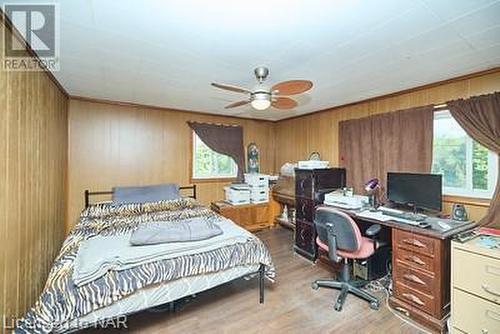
x=420 y=268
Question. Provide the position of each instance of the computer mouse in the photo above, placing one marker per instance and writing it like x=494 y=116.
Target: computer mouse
x=424 y=225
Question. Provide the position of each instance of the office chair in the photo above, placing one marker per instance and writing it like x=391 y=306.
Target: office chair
x=339 y=235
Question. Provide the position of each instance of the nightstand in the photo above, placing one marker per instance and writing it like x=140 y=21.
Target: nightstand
x=252 y=217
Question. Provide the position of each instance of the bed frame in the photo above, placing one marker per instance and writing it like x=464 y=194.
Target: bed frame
x=89 y=193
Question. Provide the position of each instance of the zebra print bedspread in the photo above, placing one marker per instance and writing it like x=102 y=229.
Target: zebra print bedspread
x=62 y=300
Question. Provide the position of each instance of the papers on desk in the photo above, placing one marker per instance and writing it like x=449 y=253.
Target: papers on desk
x=377 y=215
x=354 y=202
x=343 y=205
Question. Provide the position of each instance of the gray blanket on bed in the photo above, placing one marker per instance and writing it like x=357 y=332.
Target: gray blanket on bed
x=193 y=229
x=101 y=254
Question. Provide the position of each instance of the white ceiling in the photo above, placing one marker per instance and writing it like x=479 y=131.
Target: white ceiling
x=166 y=53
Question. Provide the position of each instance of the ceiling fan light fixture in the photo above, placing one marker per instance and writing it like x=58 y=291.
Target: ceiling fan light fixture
x=261 y=97
x=261 y=101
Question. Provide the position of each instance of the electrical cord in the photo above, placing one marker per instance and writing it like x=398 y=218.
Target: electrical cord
x=384 y=284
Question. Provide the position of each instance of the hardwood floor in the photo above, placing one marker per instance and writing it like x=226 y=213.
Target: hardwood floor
x=291 y=306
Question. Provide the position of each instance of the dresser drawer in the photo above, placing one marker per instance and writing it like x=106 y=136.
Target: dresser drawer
x=477 y=274
x=304 y=209
x=415 y=279
x=260 y=214
x=414 y=260
x=416 y=242
x=415 y=298
x=472 y=314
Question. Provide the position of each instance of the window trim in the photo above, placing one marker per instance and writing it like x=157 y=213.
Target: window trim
x=469 y=191
x=194 y=179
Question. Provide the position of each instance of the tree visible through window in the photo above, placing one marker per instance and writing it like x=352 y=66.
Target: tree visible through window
x=468 y=168
x=208 y=164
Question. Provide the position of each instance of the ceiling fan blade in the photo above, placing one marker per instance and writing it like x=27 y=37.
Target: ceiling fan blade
x=284 y=103
x=236 y=104
x=292 y=87
x=231 y=88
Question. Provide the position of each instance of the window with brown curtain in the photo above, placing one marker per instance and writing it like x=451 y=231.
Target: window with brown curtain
x=223 y=139
x=480 y=117
x=399 y=141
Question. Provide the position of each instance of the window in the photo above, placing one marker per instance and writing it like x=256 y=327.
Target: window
x=468 y=168
x=208 y=164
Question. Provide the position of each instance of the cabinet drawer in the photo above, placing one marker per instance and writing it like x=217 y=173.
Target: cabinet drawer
x=477 y=274
x=303 y=185
x=472 y=314
x=304 y=236
x=244 y=216
x=415 y=279
x=415 y=298
x=260 y=214
x=415 y=242
x=414 y=260
x=304 y=209
x=332 y=178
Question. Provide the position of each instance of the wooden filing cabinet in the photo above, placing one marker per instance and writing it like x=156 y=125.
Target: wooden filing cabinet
x=252 y=217
x=421 y=276
x=475 y=288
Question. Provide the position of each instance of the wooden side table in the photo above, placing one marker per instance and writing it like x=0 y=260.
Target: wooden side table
x=253 y=217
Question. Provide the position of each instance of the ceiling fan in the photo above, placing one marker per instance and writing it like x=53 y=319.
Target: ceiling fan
x=262 y=96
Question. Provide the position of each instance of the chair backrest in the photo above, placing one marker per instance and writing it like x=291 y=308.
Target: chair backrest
x=347 y=234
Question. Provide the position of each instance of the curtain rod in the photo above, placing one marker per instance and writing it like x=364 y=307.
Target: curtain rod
x=211 y=123
x=441 y=106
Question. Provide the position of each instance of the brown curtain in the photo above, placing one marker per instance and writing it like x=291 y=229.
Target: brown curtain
x=480 y=118
x=399 y=141
x=223 y=139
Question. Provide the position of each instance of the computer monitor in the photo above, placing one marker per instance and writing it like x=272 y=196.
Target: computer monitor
x=418 y=190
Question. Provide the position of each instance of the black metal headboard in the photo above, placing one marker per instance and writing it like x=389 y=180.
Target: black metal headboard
x=88 y=193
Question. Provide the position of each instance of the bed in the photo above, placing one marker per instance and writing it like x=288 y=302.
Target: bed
x=69 y=303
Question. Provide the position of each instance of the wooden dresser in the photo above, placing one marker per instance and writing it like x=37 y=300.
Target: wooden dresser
x=421 y=276
x=475 y=291
x=252 y=217
x=310 y=187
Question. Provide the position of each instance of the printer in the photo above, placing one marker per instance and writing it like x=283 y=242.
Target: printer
x=338 y=199
x=312 y=164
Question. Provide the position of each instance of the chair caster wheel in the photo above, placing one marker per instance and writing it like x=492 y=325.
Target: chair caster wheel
x=315 y=286
x=374 y=305
x=338 y=307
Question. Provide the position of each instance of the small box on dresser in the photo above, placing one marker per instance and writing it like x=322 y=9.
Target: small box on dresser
x=475 y=287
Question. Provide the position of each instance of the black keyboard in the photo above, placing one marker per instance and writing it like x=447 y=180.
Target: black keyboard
x=404 y=215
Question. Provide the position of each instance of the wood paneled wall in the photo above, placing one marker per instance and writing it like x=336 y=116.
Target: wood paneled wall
x=33 y=161
x=296 y=138
x=113 y=145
